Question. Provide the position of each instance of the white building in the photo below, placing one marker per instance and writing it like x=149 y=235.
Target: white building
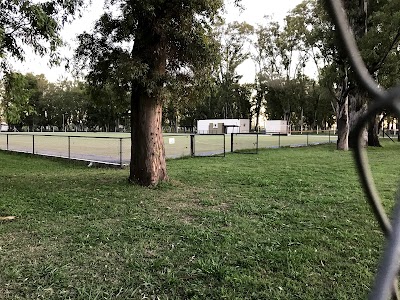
x=219 y=126
x=277 y=127
x=3 y=126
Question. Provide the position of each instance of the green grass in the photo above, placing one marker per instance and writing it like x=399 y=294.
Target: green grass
x=283 y=224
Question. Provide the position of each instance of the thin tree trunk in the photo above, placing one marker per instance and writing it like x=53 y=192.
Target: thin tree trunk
x=258 y=108
x=373 y=132
x=301 y=120
x=343 y=124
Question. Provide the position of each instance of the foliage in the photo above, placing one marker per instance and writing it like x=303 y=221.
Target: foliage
x=107 y=52
x=107 y=107
x=188 y=89
x=268 y=55
x=30 y=100
x=20 y=96
x=282 y=88
x=35 y=24
x=66 y=105
x=301 y=101
x=232 y=100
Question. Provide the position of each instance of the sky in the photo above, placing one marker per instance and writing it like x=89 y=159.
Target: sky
x=254 y=12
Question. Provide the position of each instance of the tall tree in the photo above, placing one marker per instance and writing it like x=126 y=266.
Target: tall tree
x=234 y=38
x=140 y=43
x=311 y=24
x=267 y=61
x=377 y=34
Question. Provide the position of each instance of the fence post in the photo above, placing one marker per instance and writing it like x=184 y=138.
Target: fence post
x=192 y=150
x=231 y=141
x=307 y=138
x=69 y=147
x=7 y=141
x=120 y=152
x=329 y=134
x=33 y=144
x=257 y=144
x=224 y=147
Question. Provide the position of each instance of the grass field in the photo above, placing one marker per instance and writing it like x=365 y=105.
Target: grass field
x=115 y=147
x=284 y=224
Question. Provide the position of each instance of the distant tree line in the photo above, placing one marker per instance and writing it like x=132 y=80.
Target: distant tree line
x=212 y=90
x=280 y=89
x=30 y=102
x=155 y=63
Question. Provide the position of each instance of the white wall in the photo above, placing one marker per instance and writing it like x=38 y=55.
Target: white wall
x=276 y=126
x=3 y=126
x=243 y=125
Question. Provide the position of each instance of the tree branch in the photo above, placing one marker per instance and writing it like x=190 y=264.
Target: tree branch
x=378 y=65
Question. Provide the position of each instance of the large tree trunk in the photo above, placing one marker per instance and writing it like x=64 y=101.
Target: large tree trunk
x=373 y=132
x=357 y=107
x=148 y=165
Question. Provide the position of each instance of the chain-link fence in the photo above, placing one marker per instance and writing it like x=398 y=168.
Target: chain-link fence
x=386 y=283
x=100 y=149
x=115 y=149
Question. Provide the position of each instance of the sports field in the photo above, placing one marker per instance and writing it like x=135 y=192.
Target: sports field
x=115 y=147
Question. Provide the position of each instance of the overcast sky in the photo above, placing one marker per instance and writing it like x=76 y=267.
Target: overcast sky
x=254 y=12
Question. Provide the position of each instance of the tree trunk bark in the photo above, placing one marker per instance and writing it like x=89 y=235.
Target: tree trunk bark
x=148 y=166
x=258 y=107
x=343 y=124
x=373 y=132
x=357 y=106
x=259 y=101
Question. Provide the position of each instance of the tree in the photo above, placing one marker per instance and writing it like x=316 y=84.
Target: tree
x=284 y=99
x=267 y=59
x=107 y=106
x=310 y=24
x=139 y=44
x=35 y=24
x=16 y=102
x=280 y=58
x=233 y=40
x=377 y=34
x=380 y=49
x=318 y=112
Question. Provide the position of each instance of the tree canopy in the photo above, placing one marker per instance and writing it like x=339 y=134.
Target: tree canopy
x=28 y=23
x=140 y=45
